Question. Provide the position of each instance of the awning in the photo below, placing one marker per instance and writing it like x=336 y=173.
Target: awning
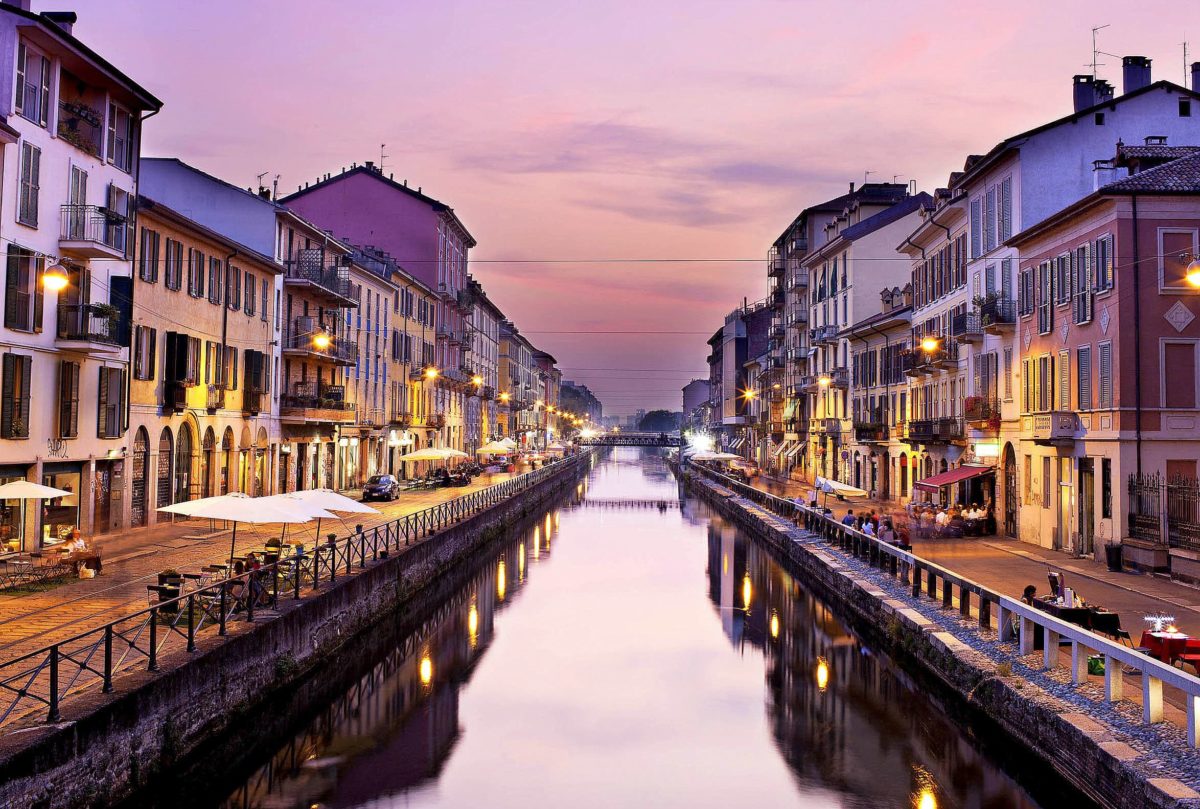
x=792 y=452
x=789 y=409
x=932 y=484
x=783 y=448
x=737 y=442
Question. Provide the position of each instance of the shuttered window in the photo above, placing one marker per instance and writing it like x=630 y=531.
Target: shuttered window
x=173 y=265
x=144 y=339
x=23 y=290
x=195 y=273
x=1062 y=278
x=68 y=399
x=265 y=301
x=1081 y=278
x=976 y=227
x=1006 y=217
x=1103 y=260
x=148 y=256
x=233 y=293
x=1008 y=374
x=215 y=281
x=1045 y=303
x=1026 y=387
x=1105 y=371
x=31 y=174
x=1064 y=380
x=32 y=99
x=1084 y=372
x=14 y=396
x=110 y=407
x=989 y=219
x=1179 y=375
x=1025 y=292
x=251 y=291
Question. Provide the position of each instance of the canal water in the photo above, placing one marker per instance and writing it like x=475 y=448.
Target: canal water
x=630 y=649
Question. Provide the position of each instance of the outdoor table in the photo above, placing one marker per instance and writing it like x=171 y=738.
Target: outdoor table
x=1166 y=646
x=1080 y=616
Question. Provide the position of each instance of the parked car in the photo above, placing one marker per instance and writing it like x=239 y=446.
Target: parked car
x=381 y=487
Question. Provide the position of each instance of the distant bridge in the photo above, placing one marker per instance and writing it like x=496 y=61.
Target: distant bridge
x=632 y=440
x=660 y=505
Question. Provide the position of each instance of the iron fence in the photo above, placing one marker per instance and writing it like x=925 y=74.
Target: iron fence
x=1145 y=507
x=38 y=682
x=1183 y=513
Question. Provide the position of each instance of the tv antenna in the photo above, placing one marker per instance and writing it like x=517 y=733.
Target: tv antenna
x=382 y=156
x=1185 y=64
x=866 y=174
x=1097 y=53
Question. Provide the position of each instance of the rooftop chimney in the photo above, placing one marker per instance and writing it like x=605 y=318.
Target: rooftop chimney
x=1196 y=77
x=1104 y=91
x=63 y=19
x=1135 y=73
x=1084 y=91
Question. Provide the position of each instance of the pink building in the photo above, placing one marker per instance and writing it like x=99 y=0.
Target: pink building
x=423 y=236
x=1109 y=347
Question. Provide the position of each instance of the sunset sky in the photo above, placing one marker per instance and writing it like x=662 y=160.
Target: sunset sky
x=614 y=130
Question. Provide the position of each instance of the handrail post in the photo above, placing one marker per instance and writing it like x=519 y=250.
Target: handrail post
x=191 y=619
x=964 y=601
x=1079 y=662
x=916 y=579
x=224 y=605
x=298 y=563
x=947 y=594
x=1114 y=687
x=108 y=673
x=250 y=596
x=153 y=664
x=1152 y=701
x=54 y=715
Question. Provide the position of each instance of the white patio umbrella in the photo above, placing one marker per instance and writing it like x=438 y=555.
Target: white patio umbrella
x=454 y=453
x=330 y=500
x=427 y=454
x=241 y=508
x=493 y=448
x=508 y=442
x=836 y=488
x=28 y=490
x=311 y=506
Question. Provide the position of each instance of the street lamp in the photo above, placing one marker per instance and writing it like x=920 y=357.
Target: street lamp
x=477 y=380
x=321 y=341
x=504 y=397
x=55 y=279
x=431 y=372
x=929 y=344
x=824 y=380
x=1193 y=272
x=749 y=394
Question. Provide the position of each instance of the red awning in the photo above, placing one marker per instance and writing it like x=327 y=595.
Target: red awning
x=932 y=484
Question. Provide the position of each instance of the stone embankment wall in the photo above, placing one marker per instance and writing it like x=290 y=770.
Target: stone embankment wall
x=1075 y=745
x=110 y=745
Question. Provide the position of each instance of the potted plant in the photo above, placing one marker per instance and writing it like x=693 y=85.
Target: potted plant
x=106 y=311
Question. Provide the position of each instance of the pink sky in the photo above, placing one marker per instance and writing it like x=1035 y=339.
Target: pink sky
x=612 y=130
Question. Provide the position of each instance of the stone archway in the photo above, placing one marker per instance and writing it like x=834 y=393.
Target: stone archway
x=1011 y=503
x=208 y=454
x=184 y=455
x=141 y=478
x=166 y=453
x=226 y=471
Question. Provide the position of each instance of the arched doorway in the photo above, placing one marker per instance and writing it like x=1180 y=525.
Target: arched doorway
x=141 y=476
x=166 y=451
x=260 y=462
x=245 y=454
x=1010 y=491
x=208 y=452
x=183 y=464
x=903 y=475
x=226 y=459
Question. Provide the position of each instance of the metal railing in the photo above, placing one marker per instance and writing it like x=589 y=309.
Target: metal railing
x=997 y=313
x=995 y=610
x=92 y=223
x=86 y=321
x=39 y=682
x=309 y=265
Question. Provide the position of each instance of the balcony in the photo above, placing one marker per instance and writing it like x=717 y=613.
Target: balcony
x=982 y=410
x=371 y=417
x=435 y=420
x=776 y=267
x=998 y=315
x=966 y=328
x=830 y=426
x=776 y=331
x=949 y=429
x=487 y=392
x=254 y=402
x=870 y=432
x=174 y=396
x=400 y=416
x=922 y=431
x=912 y=362
x=820 y=335
x=88 y=327
x=215 y=400
x=90 y=231
x=1056 y=428
x=298 y=341
x=935 y=431
x=310 y=403
x=307 y=270
x=777 y=296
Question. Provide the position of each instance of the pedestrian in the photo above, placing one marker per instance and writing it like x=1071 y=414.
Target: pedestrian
x=886 y=532
x=849 y=518
x=798 y=502
x=868 y=528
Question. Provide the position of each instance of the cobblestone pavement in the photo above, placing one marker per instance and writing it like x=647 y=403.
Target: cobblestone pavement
x=1007 y=565
x=31 y=620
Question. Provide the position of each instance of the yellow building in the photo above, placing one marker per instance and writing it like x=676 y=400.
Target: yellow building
x=202 y=365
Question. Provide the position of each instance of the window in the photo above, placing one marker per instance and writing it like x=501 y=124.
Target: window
x=251 y=290
x=1008 y=373
x=23 y=290
x=173 y=265
x=195 y=273
x=989 y=220
x=233 y=295
x=257 y=372
x=182 y=360
x=14 y=397
x=1099 y=119
x=33 y=85
x=143 y=352
x=1064 y=380
x=68 y=399
x=1005 y=213
x=976 y=227
x=1102 y=258
x=1185 y=106
x=1105 y=371
x=1026 y=386
x=1025 y=292
x=215 y=283
x=120 y=137
x=1106 y=488
x=31 y=173
x=1045 y=304
x=116 y=220
x=1083 y=358
x=148 y=256
x=265 y=301
x=1179 y=375
x=1062 y=278
x=1047 y=500
x=230 y=369
x=110 y=408
x=1081 y=277
x=1176 y=247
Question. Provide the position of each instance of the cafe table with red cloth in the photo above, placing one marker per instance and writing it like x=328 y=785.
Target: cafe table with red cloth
x=1166 y=646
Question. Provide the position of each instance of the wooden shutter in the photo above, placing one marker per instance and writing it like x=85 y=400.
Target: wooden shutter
x=44 y=92
x=1084 y=361
x=976 y=224
x=22 y=57
x=1105 y=376
x=7 y=398
x=1064 y=380
x=68 y=409
x=1006 y=218
x=102 y=403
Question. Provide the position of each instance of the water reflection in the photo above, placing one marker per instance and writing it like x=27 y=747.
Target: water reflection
x=613 y=685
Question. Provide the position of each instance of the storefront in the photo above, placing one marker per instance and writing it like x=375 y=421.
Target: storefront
x=12 y=512
x=60 y=516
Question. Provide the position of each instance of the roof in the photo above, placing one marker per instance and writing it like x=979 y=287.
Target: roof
x=59 y=33
x=975 y=164
x=1181 y=176
x=373 y=172
x=1156 y=151
x=898 y=314
x=149 y=205
x=868 y=192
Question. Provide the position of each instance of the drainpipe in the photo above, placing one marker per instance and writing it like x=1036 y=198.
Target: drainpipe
x=1137 y=336
x=225 y=334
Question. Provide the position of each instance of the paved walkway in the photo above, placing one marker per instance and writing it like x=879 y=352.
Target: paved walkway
x=29 y=621
x=1007 y=565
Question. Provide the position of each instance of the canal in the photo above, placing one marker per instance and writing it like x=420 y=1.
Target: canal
x=629 y=648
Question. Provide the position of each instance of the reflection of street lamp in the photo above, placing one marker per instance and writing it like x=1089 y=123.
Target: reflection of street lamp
x=822 y=674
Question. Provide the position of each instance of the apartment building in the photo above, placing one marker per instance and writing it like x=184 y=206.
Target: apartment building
x=483 y=326
x=547 y=383
x=857 y=258
x=516 y=414
x=428 y=239
x=70 y=134
x=310 y=299
x=1109 y=398
x=880 y=461
x=203 y=360
x=413 y=374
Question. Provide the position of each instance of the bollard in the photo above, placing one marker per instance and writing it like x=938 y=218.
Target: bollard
x=1114 y=681
x=964 y=601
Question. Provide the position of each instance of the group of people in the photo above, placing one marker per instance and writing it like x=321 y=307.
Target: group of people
x=870 y=524
x=954 y=521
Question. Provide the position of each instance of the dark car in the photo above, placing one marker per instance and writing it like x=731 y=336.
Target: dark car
x=381 y=487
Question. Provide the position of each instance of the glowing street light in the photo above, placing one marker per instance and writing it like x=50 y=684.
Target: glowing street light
x=824 y=380
x=322 y=341
x=477 y=380
x=55 y=279
x=822 y=674
x=749 y=394
x=504 y=397
x=431 y=372
x=929 y=344
x=426 y=670
x=1193 y=272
